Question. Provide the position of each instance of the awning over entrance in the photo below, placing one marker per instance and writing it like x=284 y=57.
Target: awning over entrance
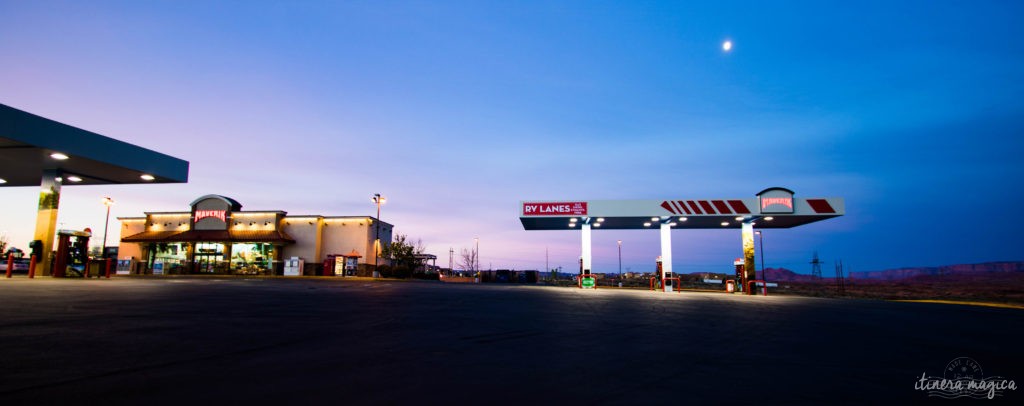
x=268 y=236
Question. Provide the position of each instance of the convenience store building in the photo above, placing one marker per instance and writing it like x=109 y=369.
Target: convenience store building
x=217 y=237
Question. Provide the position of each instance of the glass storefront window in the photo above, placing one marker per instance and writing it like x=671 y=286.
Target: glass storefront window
x=252 y=258
x=173 y=256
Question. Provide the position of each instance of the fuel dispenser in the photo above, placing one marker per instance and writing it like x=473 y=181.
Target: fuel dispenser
x=666 y=277
x=741 y=275
x=669 y=282
x=72 y=253
x=587 y=280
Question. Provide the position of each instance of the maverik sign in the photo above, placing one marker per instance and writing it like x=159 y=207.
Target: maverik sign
x=555 y=209
x=213 y=212
x=776 y=201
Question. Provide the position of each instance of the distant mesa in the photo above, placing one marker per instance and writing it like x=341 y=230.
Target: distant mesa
x=954 y=270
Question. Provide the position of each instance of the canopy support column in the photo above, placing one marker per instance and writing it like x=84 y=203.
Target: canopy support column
x=666 y=250
x=586 y=251
x=46 y=217
x=749 y=271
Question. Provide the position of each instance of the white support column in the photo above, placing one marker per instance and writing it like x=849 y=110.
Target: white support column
x=586 y=247
x=666 y=249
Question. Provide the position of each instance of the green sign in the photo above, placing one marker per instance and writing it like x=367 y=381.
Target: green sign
x=588 y=282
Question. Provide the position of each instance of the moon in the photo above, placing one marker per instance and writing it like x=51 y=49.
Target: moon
x=727 y=46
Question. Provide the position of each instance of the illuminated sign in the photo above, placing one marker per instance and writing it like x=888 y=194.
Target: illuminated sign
x=555 y=209
x=776 y=201
x=218 y=214
x=767 y=202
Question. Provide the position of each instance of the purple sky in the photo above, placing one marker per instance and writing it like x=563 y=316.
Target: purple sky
x=456 y=111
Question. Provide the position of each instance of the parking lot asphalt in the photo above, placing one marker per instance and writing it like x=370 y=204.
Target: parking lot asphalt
x=320 y=341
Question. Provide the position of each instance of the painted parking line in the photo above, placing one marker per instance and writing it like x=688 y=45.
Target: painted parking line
x=959 y=302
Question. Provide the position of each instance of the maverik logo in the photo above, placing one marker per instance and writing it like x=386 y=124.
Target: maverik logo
x=219 y=214
x=555 y=209
x=770 y=201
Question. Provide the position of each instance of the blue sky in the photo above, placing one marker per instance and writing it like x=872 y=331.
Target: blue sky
x=456 y=111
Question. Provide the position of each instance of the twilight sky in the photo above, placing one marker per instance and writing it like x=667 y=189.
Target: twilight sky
x=456 y=111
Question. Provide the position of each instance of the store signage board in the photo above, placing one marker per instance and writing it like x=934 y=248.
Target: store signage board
x=555 y=209
x=217 y=214
x=776 y=201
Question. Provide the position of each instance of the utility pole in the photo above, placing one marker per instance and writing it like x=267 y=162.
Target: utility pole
x=840 y=279
x=816 y=266
x=451 y=259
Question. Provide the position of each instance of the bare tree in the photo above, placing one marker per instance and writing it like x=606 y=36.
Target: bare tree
x=467 y=260
x=3 y=244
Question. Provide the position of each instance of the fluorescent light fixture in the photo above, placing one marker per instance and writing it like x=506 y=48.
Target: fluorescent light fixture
x=682 y=219
x=572 y=224
x=573 y=219
x=2 y=181
x=74 y=178
x=769 y=218
x=739 y=218
x=58 y=156
x=725 y=223
x=147 y=177
x=647 y=224
x=600 y=219
x=597 y=224
x=654 y=219
x=671 y=224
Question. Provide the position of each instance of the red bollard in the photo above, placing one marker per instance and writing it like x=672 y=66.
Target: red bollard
x=108 y=267
x=10 y=264
x=32 y=267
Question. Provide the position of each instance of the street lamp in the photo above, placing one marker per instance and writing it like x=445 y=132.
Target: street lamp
x=764 y=272
x=107 y=201
x=620 y=261
x=477 y=250
x=379 y=200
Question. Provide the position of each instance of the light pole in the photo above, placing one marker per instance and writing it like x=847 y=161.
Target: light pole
x=477 y=251
x=107 y=201
x=379 y=200
x=764 y=272
x=620 y=261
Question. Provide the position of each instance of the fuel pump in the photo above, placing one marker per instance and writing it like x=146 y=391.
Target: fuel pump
x=586 y=279
x=72 y=252
x=658 y=277
x=741 y=275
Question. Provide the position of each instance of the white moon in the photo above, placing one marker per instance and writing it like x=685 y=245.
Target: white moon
x=727 y=46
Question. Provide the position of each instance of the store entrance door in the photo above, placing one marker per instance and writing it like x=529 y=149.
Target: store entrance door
x=209 y=258
x=207 y=263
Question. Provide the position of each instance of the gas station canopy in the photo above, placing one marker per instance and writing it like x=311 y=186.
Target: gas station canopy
x=772 y=208
x=30 y=145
